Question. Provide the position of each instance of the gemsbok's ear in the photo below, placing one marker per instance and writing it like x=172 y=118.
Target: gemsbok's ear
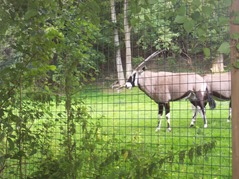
x=144 y=68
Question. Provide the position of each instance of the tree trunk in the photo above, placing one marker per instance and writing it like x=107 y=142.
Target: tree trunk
x=120 y=71
x=127 y=41
x=234 y=29
x=217 y=65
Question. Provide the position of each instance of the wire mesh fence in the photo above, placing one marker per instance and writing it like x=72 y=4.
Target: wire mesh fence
x=77 y=101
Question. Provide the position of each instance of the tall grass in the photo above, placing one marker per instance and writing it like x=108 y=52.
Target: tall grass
x=131 y=117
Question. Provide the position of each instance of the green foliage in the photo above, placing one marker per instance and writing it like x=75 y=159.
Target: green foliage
x=19 y=138
x=205 y=22
x=224 y=48
x=136 y=61
x=153 y=28
x=144 y=165
x=50 y=49
x=67 y=162
x=206 y=52
x=181 y=26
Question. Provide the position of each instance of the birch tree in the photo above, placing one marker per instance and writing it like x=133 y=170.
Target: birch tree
x=217 y=64
x=127 y=40
x=120 y=72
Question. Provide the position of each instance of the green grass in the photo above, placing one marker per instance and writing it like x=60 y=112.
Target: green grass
x=131 y=117
x=128 y=121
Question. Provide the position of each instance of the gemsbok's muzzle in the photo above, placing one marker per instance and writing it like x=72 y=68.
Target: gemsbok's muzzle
x=128 y=85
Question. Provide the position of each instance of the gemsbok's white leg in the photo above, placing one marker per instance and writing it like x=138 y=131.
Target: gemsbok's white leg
x=168 y=121
x=195 y=111
x=230 y=114
x=159 y=123
x=160 y=113
x=203 y=115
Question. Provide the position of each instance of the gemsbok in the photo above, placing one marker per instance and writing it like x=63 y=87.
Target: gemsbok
x=163 y=87
x=219 y=86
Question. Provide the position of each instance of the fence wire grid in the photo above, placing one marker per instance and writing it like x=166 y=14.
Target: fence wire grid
x=77 y=101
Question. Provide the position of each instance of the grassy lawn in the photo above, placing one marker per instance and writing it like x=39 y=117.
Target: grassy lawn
x=128 y=121
x=131 y=117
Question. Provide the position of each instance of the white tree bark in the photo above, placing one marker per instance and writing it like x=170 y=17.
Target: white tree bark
x=120 y=71
x=218 y=65
x=127 y=41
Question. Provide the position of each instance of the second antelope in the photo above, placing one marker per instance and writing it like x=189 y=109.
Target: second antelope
x=219 y=86
x=163 y=87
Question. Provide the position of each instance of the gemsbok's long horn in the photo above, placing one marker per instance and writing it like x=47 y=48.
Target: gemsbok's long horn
x=148 y=58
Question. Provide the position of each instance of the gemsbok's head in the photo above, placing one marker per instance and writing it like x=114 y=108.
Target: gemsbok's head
x=132 y=81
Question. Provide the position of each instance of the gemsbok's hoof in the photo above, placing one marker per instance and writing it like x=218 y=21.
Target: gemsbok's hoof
x=191 y=125
x=228 y=120
x=205 y=125
x=169 y=129
x=157 y=129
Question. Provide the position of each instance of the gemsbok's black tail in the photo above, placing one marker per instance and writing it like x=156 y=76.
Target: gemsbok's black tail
x=211 y=101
